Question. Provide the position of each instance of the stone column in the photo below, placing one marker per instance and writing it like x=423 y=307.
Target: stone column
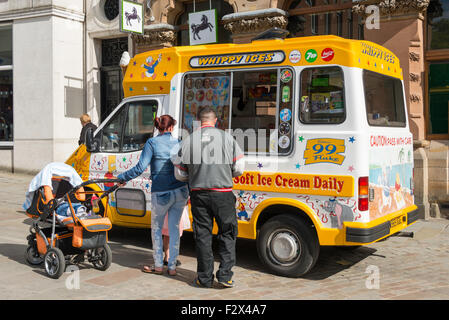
x=421 y=178
x=246 y=25
x=156 y=36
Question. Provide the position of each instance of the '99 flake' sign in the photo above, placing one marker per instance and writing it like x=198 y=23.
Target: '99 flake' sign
x=324 y=150
x=237 y=59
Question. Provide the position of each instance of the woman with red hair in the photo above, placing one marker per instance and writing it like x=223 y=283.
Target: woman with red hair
x=168 y=195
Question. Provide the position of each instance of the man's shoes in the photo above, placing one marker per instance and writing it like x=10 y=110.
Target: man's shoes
x=196 y=283
x=227 y=284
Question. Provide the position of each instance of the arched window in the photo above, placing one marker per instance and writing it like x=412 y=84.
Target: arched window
x=222 y=7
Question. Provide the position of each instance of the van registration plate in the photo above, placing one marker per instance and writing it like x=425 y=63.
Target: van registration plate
x=397 y=221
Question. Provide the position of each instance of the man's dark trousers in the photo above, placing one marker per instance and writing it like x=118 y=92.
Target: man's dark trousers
x=207 y=205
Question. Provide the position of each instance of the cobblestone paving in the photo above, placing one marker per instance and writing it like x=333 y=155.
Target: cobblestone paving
x=407 y=268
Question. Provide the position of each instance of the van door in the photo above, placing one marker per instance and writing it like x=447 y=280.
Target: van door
x=121 y=141
x=391 y=145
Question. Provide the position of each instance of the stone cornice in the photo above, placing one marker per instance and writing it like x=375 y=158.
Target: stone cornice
x=42 y=12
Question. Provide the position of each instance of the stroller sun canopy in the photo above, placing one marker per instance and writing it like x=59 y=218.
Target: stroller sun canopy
x=44 y=178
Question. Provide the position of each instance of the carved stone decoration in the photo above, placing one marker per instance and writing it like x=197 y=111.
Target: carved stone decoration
x=257 y=21
x=403 y=6
x=390 y=7
x=359 y=9
x=256 y=24
x=415 y=98
x=156 y=35
x=415 y=57
x=414 y=77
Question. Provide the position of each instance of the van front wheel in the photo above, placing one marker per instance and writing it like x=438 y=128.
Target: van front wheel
x=287 y=246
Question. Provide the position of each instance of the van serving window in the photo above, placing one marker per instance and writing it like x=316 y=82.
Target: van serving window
x=322 y=96
x=384 y=100
x=206 y=89
x=255 y=104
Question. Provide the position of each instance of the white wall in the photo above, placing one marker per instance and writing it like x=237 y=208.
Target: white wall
x=48 y=89
x=33 y=87
x=68 y=94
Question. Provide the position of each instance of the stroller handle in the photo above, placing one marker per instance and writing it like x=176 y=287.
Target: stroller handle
x=106 y=192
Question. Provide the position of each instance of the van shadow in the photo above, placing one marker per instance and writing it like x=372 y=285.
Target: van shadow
x=132 y=248
x=333 y=260
x=246 y=253
x=141 y=252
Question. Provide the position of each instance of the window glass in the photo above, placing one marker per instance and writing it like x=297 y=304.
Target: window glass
x=262 y=110
x=111 y=134
x=254 y=108
x=140 y=124
x=438 y=24
x=6 y=111
x=6 y=45
x=322 y=95
x=384 y=100
x=206 y=89
x=6 y=84
x=438 y=98
x=260 y=116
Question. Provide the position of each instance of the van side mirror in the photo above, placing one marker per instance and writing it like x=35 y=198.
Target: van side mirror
x=91 y=143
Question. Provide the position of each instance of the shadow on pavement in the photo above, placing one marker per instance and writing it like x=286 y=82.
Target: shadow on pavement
x=14 y=252
x=333 y=260
x=245 y=250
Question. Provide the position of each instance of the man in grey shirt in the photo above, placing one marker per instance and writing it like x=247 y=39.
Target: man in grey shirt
x=208 y=159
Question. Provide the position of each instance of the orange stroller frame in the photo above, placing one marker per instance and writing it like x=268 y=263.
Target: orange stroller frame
x=73 y=239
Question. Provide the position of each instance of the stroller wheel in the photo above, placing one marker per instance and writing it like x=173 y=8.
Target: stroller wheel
x=101 y=257
x=32 y=256
x=54 y=262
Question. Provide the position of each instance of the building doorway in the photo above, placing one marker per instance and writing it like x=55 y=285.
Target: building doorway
x=111 y=74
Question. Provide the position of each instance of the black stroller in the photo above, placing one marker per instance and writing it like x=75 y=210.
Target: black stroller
x=60 y=240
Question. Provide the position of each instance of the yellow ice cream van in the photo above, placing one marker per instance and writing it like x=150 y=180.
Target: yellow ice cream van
x=322 y=121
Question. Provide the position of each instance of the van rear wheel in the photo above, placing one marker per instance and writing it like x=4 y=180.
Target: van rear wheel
x=287 y=246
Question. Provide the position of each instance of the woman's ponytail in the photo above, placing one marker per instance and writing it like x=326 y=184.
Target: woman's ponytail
x=164 y=122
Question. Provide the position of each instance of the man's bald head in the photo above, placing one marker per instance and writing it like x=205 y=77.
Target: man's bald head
x=207 y=115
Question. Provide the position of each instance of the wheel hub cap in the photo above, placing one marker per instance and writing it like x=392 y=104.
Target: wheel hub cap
x=284 y=247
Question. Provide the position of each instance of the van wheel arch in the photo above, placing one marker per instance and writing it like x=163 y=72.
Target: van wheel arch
x=279 y=209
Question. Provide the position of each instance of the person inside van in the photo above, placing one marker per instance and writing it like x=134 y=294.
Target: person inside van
x=86 y=123
x=168 y=195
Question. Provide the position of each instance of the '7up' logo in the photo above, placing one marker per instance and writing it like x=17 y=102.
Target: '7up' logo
x=311 y=55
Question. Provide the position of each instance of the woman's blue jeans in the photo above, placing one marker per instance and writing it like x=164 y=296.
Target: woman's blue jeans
x=172 y=203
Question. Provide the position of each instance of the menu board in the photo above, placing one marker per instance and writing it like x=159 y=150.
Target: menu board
x=212 y=91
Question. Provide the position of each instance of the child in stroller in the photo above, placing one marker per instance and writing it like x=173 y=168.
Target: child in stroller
x=66 y=225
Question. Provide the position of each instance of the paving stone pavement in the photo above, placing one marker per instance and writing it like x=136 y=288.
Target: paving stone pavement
x=407 y=268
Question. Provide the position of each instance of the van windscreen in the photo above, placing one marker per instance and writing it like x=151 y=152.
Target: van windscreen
x=384 y=100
